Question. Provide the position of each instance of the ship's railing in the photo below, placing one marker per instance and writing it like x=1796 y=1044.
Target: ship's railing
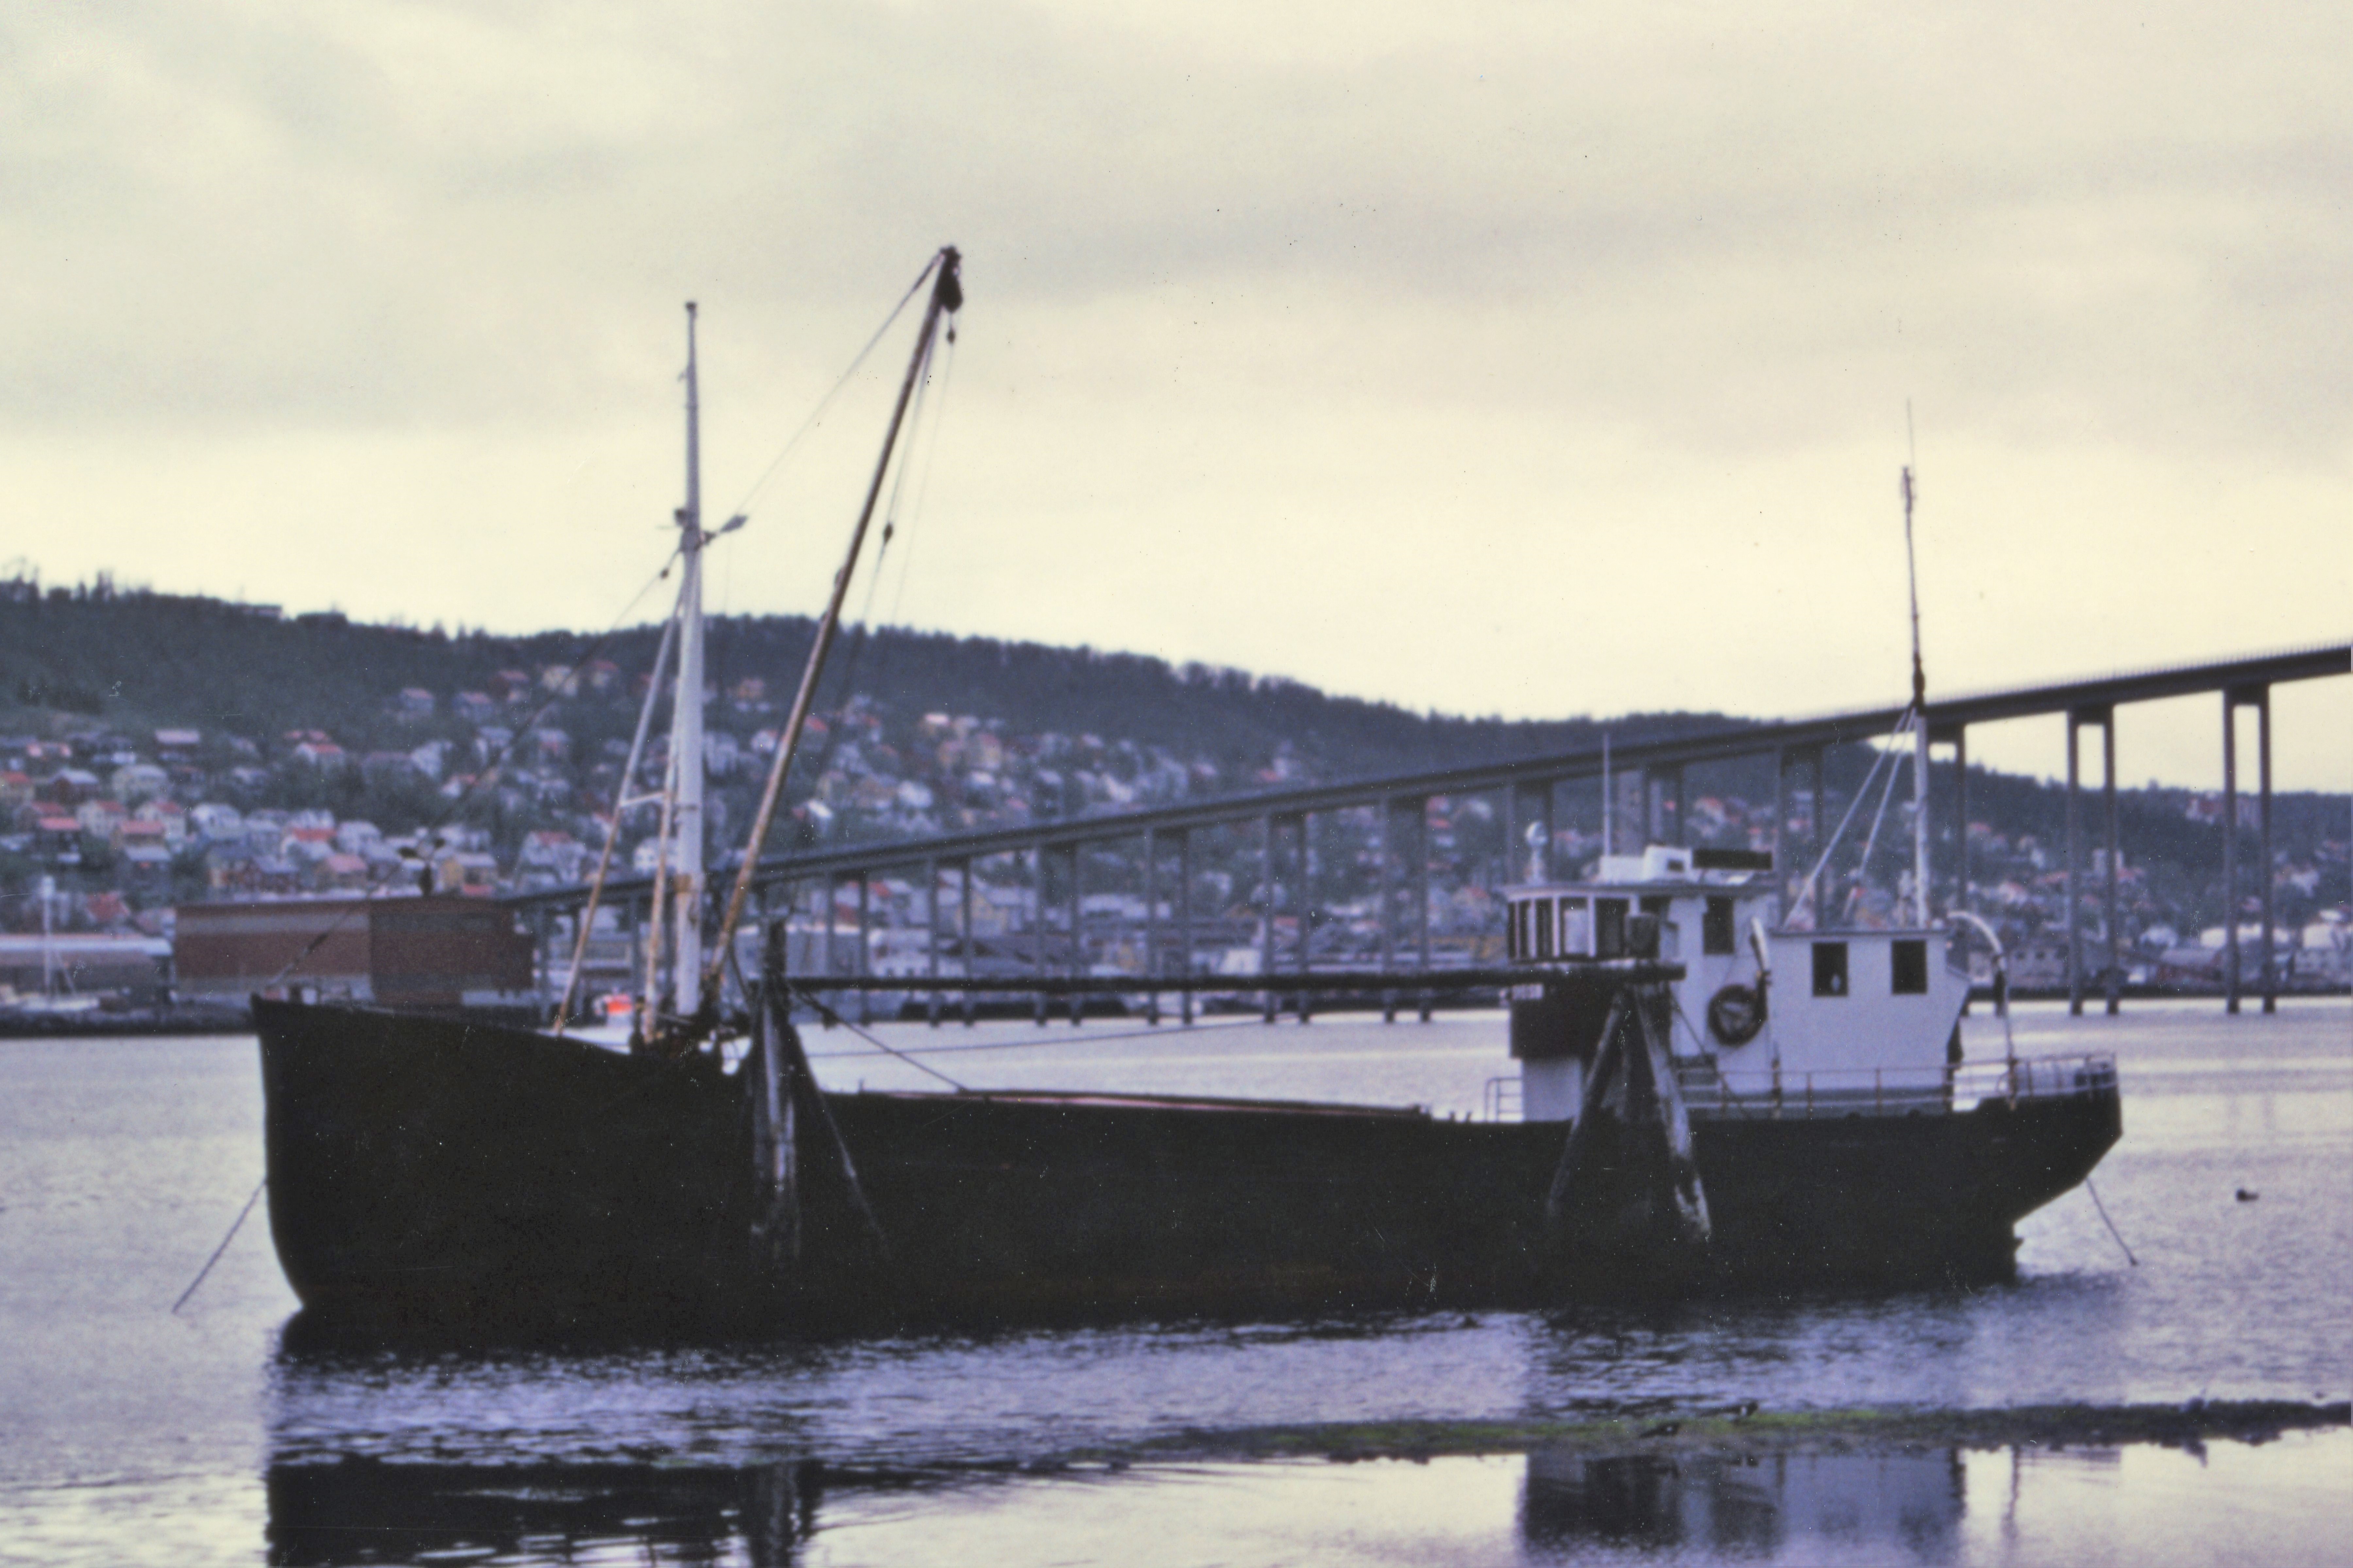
x=1892 y=1091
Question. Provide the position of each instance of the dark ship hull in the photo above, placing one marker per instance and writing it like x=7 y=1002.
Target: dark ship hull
x=432 y=1176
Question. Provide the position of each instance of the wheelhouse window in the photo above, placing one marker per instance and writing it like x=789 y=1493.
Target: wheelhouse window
x=1907 y=962
x=1829 y=968
x=1576 y=927
x=1543 y=928
x=1715 y=934
x=1609 y=928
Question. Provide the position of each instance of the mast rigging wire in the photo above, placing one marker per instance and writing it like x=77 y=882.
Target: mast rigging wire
x=923 y=482
x=1862 y=866
x=817 y=413
x=826 y=1012
x=845 y=685
x=1176 y=1032
x=613 y=826
x=946 y=298
x=1808 y=887
x=488 y=776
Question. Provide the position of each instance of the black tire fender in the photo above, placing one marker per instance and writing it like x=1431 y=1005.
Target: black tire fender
x=1735 y=1015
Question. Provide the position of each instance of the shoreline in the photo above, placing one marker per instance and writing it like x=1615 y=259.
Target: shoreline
x=1665 y=1431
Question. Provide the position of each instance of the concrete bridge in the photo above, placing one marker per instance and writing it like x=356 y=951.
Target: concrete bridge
x=1527 y=789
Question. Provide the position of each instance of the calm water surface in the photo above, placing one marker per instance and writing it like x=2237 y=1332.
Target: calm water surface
x=127 y=1434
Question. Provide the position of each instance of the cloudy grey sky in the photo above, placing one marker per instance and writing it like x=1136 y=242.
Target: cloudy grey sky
x=1486 y=357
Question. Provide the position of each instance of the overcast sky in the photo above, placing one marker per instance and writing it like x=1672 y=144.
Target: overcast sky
x=1484 y=357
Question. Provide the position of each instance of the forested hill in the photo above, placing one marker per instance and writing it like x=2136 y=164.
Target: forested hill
x=131 y=662
x=391 y=729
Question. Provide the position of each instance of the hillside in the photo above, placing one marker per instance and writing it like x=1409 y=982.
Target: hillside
x=135 y=662
x=272 y=754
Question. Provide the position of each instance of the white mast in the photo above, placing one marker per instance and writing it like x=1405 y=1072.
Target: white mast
x=1609 y=802
x=1919 y=719
x=686 y=715
x=48 y=941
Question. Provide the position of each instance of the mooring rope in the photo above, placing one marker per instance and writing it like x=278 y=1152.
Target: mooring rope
x=2109 y=1223
x=233 y=1227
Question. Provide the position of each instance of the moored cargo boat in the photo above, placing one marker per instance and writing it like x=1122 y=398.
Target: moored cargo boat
x=1687 y=1123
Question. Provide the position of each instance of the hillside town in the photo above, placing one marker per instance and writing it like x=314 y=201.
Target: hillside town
x=513 y=786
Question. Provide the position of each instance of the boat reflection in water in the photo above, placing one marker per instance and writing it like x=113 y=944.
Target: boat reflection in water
x=366 y=1512
x=1903 y=1505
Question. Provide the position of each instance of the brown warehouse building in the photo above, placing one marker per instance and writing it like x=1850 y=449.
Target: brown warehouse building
x=413 y=952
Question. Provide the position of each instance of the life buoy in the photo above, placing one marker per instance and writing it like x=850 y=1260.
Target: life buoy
x=1735 y=1015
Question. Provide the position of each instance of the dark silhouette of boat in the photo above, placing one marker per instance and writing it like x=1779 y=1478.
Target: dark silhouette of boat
x=431 y=1177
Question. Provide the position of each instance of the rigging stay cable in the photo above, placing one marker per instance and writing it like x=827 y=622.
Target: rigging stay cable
x=923 y=480
x=827 y=1012
x=845 y=683
x=1810 y=887
x=817 y=413
x=918 y=446
x=1871 y=840
x=1176 y=1032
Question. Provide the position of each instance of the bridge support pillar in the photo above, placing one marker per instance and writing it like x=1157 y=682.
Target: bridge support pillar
x=1421 y=896
x=1958 y=737
x=1266 y=908
x=832 y=892
x=1549 y=792
x=1077 y=931
x=635 y=928
x=1515 y=852
x=2263 y=843
x=2115 y=985
x=932 y=939
x=2111 y=973
x=2075 y=872
x=2258 y=698
x=1807 y=847
x=1185 y=920
x=1037 y=909
x=543 y=929
x=865 y=965
x=1781 y=825
x=964 y=931
x=1306 y=905
x=1670 y=788
x=1152 y=926
x=2230 y=851
x=1384 y=813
